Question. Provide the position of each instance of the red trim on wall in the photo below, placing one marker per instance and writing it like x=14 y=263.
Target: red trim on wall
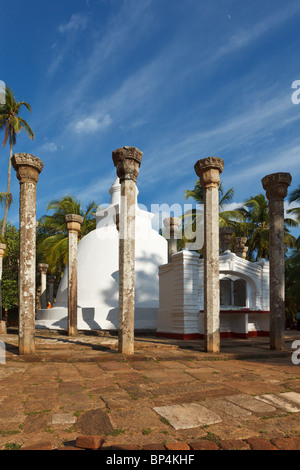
x=258 y=333
x=180 y=335
x=223 y=334
x=241 y=311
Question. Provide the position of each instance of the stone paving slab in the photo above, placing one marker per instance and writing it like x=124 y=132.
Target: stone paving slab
x=187 y=416
x=280 y=402
x=251 y=403
x=230 y=409
x=55 y=395
x=292 y=396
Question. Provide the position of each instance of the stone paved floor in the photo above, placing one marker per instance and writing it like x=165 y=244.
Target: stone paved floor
x=169 y=391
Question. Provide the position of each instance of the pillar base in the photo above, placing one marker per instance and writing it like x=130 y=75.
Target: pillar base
x=27 y=348
x=3 y=330
x=72 y=331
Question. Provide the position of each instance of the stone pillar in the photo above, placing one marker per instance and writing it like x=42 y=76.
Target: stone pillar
x=28 y=169
x=276 y=186
x=239 y=246
x=127 y=160
x=172 y=225
x=2 y=322
x=51 y=280
x=43 y=271
x=225 y=238
x=208 y=170
x=73 y=222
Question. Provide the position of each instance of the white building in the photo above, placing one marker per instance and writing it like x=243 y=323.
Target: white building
x=98 y=275
x=244 y=297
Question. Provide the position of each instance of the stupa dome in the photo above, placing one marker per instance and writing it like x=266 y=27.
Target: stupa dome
x=98 y=274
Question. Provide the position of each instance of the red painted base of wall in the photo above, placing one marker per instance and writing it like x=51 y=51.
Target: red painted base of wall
x=227 y=334
x=180 y=336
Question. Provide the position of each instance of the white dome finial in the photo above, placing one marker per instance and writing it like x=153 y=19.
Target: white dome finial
x=115 y=192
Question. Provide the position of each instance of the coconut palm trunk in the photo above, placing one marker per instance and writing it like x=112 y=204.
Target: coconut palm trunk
x=12 y=124
x=8 y=195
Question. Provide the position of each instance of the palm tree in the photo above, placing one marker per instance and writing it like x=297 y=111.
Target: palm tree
x=295 y=197
x=292 y=282
x=12 y=124
x=226 y=217
x=256 y=227
x=52 y=235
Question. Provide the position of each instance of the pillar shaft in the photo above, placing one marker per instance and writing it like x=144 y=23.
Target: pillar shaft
x=127 y=161
x=73 y=222
x=172 y=225
x=211 y=269
x=209 y=170
x=127 y=267
x=51 y=285
x=28 y=168
x=276 y=186
x=2 y=250
x=225 y=238
x=43 y=271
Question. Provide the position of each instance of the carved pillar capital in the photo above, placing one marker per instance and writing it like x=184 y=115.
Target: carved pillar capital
x=209 y=169
x=239 y=246
x=73 y=222
x=127 y=160
x=28 y=167
x=172 y=225
x=42 y=267
x=225 y=237
x=276 y=185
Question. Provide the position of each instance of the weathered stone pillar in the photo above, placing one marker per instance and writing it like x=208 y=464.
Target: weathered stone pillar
x=43 y=271
x=51 y=280
x=276 y=186
x=172 y=225
x=73 y=222
x=2 y=322
x=225 y=238
x=127 y=160
x=208 y=170
x=28 y=169
x=239 y=246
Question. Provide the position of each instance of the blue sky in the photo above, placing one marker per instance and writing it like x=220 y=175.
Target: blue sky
x=180 y=80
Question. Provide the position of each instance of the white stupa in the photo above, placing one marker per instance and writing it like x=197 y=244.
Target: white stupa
x=98 y=275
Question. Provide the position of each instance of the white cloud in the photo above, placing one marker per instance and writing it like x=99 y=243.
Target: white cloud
x=49 y=147
x=91 y=124
x=77 y=21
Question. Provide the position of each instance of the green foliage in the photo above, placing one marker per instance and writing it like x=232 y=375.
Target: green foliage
x=11 y=255
x=9 y=284
x=295 y=197
x=9 y=289
x=52 y=235
x=256 y=228
x=292 y=284
x=11 y=123
x=226 y=217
